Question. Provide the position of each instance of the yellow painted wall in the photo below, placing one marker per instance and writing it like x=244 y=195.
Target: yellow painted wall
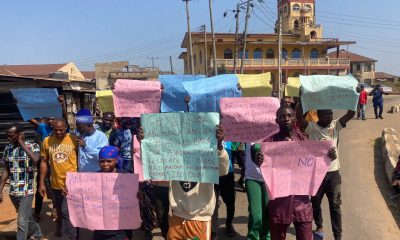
x=73 y=72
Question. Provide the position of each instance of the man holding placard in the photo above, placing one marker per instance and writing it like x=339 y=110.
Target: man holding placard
x=328 y=129
x=288 y=209
x=193 y=203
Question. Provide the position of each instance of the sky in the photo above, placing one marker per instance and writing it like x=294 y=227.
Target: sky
x=91 y=31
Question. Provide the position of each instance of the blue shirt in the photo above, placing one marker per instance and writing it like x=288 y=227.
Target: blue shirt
x=377 y=96
x=123 y=141
x=228 y=148
x=44 y=130
x=89 y=155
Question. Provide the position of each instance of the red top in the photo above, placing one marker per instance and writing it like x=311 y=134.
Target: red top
x=363 y=97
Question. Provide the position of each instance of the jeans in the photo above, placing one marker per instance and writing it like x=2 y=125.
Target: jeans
x=331 y=186
x=380 y=106
x=68 y=231
x=361 y=111
x=225 y=189
x=25 y=221
x=258 y=225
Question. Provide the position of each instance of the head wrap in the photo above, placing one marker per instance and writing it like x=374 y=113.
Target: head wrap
x=84 y=116
x=108 y=152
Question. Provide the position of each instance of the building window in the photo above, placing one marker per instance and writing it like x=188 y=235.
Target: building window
x=314 y=53
x=296 y=23
x=228 y=53
x=367 y=67
x=246 y=55
x=285 y=9
x=194 y=60
x=358 y=67
x=313 y=34
x=296 y=7
x=270 y=53
x=296 y=53
x=257 y=54
x=307 y=8
x=201 y=57
x=284 y=53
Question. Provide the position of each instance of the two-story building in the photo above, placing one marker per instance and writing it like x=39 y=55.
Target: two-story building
x=361 y=67
x=304 y=50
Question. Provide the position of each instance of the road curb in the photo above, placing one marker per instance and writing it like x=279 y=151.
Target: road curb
x=390 y=151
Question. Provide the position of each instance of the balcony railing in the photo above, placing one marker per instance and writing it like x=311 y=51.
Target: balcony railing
x=300 y=62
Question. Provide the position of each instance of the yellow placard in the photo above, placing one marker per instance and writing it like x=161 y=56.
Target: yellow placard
x=292 y=87
x=104 y=99
x=255 y=85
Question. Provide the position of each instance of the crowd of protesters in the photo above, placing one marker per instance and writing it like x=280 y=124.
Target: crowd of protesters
x=181 y=209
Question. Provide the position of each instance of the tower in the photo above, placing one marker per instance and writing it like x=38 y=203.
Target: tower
x=298 y=17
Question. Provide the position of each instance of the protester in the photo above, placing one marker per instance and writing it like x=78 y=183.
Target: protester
x=287 y=101
x=20 y=157
x=123 y=140
x=225 y=189
x=60 y=152
x=294 y=209
x=257 y=196
x=107 y=162
x=362 y=102
x=377 y=100
x=44 y=127
x=90 y=141
x=106 y=124
x=193 y=203
x=327 y=129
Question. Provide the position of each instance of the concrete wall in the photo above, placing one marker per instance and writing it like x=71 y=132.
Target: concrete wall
x=390 y=151
x=103 y=72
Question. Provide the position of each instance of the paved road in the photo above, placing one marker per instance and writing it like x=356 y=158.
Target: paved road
x=365 y=191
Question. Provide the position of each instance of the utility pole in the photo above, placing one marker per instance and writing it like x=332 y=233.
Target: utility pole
x=245 y=36
x=170 y=63
x=213 y=39
x=190 y=37
x=152 y=61
x=280 y=58
x=205 y=51
x=235 y=51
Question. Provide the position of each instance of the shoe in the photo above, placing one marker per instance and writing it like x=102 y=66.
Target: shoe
x=376 y=117
x=230 y=231
x=318 y=235
x=358 y=118
x=364 y=119
x=380 y=117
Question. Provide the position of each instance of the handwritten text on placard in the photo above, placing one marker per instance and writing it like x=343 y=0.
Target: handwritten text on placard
x=103 y=201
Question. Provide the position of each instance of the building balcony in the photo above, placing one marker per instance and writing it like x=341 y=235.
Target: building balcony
x=300 y=63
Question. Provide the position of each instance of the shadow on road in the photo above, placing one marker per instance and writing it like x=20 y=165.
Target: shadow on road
x=383 y=184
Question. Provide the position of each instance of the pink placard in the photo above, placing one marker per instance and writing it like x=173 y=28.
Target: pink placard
x=137 y=159
x=133 y=97
x=249 y=119
x=103 y=201
x=294 y=167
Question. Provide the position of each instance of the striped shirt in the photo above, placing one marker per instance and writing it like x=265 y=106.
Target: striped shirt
x=21 y=169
